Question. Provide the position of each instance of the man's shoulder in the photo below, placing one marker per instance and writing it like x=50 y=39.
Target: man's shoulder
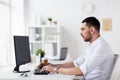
x=102 y=42
x=103 y=47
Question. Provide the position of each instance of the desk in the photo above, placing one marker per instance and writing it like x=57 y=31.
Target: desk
x=7 y=74
x=31 y=76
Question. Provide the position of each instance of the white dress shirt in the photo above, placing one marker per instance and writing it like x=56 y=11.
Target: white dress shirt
x=97 y=61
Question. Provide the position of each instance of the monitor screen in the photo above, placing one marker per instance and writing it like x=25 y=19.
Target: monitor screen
x=22 y=51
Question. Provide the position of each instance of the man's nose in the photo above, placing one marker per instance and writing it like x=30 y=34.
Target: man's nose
x=80 y=33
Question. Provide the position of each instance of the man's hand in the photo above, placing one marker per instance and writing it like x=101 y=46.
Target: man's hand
x=49 y=68
x=42 y=64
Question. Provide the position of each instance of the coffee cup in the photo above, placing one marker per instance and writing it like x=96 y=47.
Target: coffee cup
x=44 y=61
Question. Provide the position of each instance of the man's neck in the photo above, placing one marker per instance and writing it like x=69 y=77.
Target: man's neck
x=94 y=38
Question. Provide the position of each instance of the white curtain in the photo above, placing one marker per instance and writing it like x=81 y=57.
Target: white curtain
x=4 y=31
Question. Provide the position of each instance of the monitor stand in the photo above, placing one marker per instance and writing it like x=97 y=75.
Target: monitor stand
x=16 y=69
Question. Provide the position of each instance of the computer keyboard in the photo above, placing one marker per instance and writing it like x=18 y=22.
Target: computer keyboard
x=39 y=72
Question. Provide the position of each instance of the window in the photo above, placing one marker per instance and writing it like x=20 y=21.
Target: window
x=4 y=31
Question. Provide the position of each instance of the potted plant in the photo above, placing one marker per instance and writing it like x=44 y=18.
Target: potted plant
x=40 y=53
x=50 y=20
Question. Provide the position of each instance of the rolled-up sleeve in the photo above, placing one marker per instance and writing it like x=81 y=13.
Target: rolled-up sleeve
x=79 y=60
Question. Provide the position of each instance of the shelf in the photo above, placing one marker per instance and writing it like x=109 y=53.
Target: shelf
x=46 y=37
x=44 y=26
x=36 y=41
x=43 y=41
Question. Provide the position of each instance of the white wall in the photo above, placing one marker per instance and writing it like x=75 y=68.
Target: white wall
x=69 y=14
x=17 y=17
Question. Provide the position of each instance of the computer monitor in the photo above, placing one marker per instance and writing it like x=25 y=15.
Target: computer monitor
x=22 y=52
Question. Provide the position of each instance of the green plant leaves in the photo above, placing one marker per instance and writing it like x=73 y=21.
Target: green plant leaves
x=41 y=52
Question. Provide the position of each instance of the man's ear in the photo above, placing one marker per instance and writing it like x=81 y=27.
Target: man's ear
x=92 y=30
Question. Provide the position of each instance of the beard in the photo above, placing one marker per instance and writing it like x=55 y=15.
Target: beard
x=87 y=39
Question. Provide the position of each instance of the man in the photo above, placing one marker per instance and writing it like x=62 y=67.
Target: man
x=97 y=61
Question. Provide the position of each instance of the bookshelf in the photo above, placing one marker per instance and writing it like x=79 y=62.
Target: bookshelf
x=46 y=37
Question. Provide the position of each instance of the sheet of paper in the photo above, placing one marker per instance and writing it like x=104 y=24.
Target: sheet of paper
x=107 y=24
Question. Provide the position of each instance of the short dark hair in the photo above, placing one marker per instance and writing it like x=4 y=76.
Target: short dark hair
x=92 y=21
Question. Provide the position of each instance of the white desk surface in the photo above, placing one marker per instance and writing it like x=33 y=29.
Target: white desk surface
x=7 y=74
x=31 y=76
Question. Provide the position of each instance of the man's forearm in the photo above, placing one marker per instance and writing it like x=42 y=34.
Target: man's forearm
x=65 y=65
x=70 y=71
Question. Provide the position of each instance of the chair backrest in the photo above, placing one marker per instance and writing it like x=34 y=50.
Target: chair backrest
x=116 y=73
